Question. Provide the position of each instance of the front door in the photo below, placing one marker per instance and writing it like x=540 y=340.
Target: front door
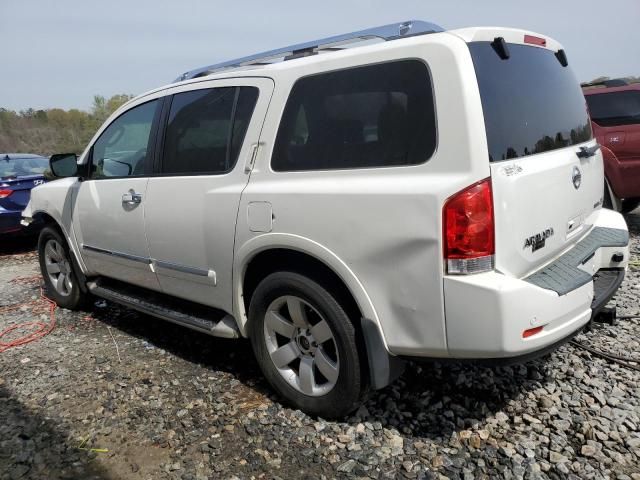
x=108 y=218
x=208 y=137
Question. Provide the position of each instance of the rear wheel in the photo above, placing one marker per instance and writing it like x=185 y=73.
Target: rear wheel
x=609 y=199
x=630 y=204
x=57 y=270
x=306 y=345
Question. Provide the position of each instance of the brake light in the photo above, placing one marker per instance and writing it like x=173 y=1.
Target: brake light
x=5 y=193
x=468 y=227
x=533 y=40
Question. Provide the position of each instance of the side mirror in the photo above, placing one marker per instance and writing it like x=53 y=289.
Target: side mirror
x=64 y=165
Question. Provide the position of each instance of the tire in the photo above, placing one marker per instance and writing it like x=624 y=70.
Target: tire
x=321 y=376
x=606 y=198
x=55 y=262
x=630 y=204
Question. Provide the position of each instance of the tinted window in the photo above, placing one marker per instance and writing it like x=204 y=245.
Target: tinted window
x=374 y=116
x=122 y=148
x=20 y=167
x=616 y=108
x=531 y=103
x=206 y=128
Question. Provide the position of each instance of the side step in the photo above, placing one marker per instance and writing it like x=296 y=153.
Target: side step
x=189 y=314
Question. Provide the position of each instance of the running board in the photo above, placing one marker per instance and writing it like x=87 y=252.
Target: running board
x=189 y=314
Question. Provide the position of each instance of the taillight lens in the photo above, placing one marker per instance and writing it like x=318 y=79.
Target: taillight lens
x=5 y=193
x=468 y=224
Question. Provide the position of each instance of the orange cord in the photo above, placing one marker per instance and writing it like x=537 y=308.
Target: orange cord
x=39 y=329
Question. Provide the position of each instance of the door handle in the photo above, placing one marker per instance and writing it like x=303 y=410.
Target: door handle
x=252 y=157
x=131 y=198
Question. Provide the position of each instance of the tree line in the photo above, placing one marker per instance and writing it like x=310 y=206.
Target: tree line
x=65 y=131
x=54 y=130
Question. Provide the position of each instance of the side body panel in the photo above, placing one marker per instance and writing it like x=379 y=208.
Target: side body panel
x=621 y=154
x=381 y=227
x=57 y=199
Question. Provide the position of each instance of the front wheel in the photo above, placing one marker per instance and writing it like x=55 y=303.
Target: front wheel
x=55 y=264
x=306 y=345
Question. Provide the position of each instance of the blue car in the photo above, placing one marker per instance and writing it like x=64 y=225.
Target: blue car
x=19 y=173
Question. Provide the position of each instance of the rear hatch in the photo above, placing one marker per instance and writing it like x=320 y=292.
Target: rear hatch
x=536 y=120
x=15 y=192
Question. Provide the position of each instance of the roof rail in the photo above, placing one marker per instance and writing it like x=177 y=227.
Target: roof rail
x=392 y=31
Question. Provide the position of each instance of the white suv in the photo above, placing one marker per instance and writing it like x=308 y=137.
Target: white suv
x=399 y=192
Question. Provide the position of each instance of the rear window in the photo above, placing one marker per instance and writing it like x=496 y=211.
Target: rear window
x=21 y=167
x=531 y=103
x=372 y=116
x=615 y=108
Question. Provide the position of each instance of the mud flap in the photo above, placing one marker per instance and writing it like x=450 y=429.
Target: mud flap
x=384 y=368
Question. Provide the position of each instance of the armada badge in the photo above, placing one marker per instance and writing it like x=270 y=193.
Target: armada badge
x=537 y=241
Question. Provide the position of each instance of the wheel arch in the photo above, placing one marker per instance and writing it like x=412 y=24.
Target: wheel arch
x=274 y=252
x=47 y=219
x=296 y=253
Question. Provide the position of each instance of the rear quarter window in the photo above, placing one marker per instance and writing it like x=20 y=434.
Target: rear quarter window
x=373 y=116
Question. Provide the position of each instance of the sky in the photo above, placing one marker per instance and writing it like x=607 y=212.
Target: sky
x=60 y=53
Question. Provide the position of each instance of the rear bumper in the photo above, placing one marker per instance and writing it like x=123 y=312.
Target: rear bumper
x=623 y=177
x=487 y=314
x=10 y=223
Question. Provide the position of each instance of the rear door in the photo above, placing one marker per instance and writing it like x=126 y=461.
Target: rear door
x=536 y=121
x=209 y=136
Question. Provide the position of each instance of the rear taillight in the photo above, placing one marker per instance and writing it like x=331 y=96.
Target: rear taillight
x=468 y=228
x=5 y=193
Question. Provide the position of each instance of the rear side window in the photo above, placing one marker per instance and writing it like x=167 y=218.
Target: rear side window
x=531 y=103
x=616 y=108
x=206 y=128
x=374 y=116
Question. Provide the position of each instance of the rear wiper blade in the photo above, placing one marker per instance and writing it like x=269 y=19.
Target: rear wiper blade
x=586 y=152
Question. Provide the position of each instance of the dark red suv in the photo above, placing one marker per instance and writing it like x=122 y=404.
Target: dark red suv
x=615 y=116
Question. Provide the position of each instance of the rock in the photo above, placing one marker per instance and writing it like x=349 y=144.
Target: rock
x=545 y=402
x=633 y=442
x=588 y=450
x=348 y=466
x=529 y=419
x=555 y=457
x=502 y=417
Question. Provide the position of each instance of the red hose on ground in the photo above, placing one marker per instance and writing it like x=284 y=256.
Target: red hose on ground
x=39 y=329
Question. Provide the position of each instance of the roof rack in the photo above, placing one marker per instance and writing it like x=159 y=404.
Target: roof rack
x=392 y=31
x=612 y=82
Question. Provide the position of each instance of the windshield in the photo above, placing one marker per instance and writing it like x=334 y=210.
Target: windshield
x=531 y=103
x=20 y=167
x=616 y=108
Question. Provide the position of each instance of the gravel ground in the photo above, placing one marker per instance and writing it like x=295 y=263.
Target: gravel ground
x=114 y=394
